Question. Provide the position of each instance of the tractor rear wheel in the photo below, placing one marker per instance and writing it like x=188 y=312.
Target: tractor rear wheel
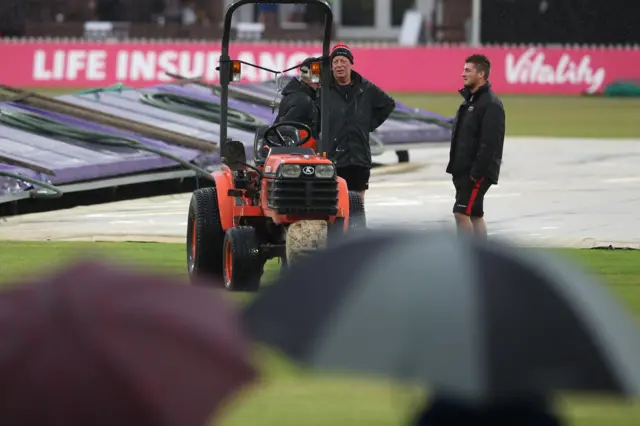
x=357 y=217
x=242 y=259
x=204 y=236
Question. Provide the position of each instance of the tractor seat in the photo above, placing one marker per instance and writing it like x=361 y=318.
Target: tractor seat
x=235 y=155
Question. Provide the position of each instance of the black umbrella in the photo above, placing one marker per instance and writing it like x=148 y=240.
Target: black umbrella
x=448 y=411
x=477 y=319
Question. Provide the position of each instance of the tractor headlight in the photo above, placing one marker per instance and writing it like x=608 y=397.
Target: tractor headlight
x=325 y=171
x=289 y=171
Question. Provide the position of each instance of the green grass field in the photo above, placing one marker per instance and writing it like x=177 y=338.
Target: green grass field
x=555 y=116
x=289 y=396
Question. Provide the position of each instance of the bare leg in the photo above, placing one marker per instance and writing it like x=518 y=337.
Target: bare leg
x=463 y=222
x=479 y=227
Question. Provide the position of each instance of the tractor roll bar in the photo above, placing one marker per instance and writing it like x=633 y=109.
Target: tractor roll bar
x=225 y=70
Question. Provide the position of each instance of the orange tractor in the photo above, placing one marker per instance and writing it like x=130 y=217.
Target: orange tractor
x=288 y=202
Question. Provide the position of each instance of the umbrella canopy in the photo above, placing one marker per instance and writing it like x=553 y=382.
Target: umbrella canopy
x=100 y=345
x=476 y=319
x=446 y=411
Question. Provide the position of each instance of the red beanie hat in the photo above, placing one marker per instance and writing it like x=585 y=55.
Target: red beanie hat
x=342 y=49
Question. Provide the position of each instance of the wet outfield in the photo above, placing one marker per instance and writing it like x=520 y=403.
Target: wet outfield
x=552 y=192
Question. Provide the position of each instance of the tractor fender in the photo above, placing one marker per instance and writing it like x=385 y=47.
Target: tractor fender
x=224 y=182
x=343 y=199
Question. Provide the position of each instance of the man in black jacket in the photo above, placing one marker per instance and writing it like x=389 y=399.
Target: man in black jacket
x=476 y=145
x=298 y=100
x=358 y=107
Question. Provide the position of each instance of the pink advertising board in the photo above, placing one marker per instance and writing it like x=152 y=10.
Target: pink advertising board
x=396 y=69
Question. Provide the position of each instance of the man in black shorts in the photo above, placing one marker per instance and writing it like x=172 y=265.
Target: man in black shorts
x=476 y=145
x=357 y=177
x=358 y=108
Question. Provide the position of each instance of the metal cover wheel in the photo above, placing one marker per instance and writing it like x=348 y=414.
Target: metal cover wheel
x=403 y=156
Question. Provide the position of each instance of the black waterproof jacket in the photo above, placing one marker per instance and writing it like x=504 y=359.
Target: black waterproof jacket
x=298 y=104
x=356 y=111
x=478 y=136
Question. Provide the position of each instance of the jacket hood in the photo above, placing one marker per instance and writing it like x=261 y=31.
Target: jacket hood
x=296 y=86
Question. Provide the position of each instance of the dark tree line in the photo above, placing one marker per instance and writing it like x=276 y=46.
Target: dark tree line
x=561 y=21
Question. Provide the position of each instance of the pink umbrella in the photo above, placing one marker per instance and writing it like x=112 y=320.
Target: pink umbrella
x=97 y=344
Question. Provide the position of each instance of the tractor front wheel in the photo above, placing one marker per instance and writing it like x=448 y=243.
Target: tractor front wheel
x=305 y=237
x=242 y=259
x=204 y=236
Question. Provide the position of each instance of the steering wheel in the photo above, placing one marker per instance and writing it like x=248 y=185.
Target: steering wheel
x=282 y=142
